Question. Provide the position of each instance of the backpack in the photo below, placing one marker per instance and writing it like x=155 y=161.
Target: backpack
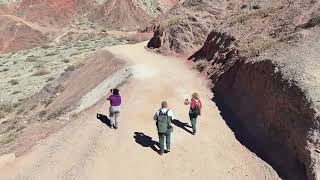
x=195 y=112
x=163 y=122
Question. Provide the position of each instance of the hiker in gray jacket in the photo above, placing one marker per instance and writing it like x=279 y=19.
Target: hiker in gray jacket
x=163 y=119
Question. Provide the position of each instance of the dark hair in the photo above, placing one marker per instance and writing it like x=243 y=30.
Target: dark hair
x=115 y=91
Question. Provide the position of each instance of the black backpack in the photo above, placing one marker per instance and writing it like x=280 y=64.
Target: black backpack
x=195 y=112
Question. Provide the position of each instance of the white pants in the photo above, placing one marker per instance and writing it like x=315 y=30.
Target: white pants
x=114 y=112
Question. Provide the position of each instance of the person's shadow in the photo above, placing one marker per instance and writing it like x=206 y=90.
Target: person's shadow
x=104 y=119
x=182 y=125
x=145 y=141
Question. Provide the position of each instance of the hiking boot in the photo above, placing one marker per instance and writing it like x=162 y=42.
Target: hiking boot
x=193 y=133
x=115 y=127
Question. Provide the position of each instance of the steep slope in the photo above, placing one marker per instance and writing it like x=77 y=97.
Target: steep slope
x=47 y=12
x=119 y=14
x=155 y=7
x=15 y=35
x=183 y=29
x=270 y=90
x=53 y=12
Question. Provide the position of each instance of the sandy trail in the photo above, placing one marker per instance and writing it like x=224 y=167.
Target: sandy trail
x=87 y=149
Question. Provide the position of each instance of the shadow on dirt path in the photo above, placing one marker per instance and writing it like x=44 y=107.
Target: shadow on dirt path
x=146 y=141
x=182 y=125
x=104 y=119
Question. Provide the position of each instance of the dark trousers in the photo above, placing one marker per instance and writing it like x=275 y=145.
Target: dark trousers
x=162 y=138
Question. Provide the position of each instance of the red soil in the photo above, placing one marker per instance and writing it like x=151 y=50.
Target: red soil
x=13 y=36
x=119 y=14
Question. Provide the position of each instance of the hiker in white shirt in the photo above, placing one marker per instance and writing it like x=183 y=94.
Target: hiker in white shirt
x=163 y=119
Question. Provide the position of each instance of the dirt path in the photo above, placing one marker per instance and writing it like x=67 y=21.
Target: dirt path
x=33 y=25
x=87 y=149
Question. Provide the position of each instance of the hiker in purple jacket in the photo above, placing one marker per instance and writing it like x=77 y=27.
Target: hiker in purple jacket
x=115 y=102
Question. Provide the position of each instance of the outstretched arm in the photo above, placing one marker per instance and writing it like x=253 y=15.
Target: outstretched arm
x=155 y=117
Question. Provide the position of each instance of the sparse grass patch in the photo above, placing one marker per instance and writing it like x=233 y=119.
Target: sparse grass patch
x=6 y=108
x=20 y=128
x=8 y=139
x=41 y=72
x=11 y=127
x=2 y=115
x=256 y=45
x=34 y=106
x=31 y=59
x=13 y=82
x=172 y=22
x=52 y=53
x=42 y=113
x=15 y=92
x=48 y=101
x=74 y=67
x=201 y=65
x=21 y=110
x=46 y=47
x=56 y=114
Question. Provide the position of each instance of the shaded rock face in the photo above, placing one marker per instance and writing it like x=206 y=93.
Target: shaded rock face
x=272 y=116
x=217 y=55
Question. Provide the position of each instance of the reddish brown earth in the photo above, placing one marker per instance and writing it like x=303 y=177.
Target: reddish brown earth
x=269 y=89
x=119 y=14
x=4 y=9
x=15 y=35
x=46 y=12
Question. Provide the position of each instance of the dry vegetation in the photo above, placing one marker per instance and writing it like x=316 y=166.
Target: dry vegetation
x=41 y=72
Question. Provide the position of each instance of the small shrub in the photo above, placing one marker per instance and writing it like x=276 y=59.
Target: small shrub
x=50 y=79
x=46 y=47
x=52 y=53
x=20 y=128
x=33 y=107
x=2 y=115
x=31 y=59
x=11 y=127
x=5 y=70
x=13 y=82
x=47 y=102
x=8 y=140
x=4 y=122
x=75 y=53
x=42 y=113
x=66 y=60
x=15 y=92
x=7 y=108
x=41 y=72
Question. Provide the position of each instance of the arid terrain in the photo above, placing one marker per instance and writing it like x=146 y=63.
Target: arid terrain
x=253 y=62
